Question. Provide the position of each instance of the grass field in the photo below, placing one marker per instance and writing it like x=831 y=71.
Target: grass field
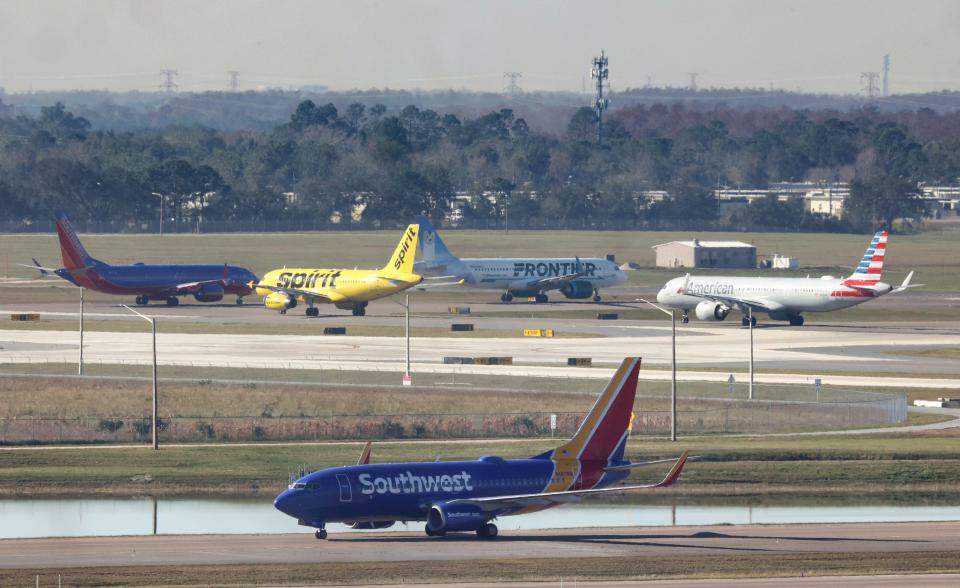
x=493 y=571
x=930 y=254
x=799 y=466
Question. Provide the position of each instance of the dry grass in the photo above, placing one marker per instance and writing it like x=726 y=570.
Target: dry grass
x=728 y=565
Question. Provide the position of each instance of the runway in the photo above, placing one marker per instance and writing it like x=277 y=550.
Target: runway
x=875 y=538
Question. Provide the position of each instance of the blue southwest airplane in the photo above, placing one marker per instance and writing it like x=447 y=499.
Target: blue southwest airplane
x=206 y=283
x=466 y=496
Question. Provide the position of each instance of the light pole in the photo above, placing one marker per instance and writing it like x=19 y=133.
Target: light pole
x=407 y=379
x=406 y=376
x=80 y=359
x=750 y=327
x=160 y=196
x=153 y=328
x=673 y=364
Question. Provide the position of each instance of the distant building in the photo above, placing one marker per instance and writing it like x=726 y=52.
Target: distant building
x=696 y=253
x=941 y=201
x=819 y=198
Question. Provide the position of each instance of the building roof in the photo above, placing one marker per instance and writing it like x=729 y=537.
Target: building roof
x=712 y=244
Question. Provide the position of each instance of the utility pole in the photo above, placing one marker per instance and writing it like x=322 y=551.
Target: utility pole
x=693 y=80
x=168 y=85
x=600 y=72
x=234 y=81
x=870 y=81
x=512 y=87
x=80 y=359
x=886 y=75
x=153 y=332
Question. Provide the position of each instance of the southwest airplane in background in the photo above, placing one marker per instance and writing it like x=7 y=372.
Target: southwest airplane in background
x=206 y=283
x=522 y=277
x=466 y=496
x=783 y=299
x=344 y=288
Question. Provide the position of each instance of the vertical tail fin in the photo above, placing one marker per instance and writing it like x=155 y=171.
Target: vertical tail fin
x=871 y=264
x=604 y=431
x=401 y=262
x=74 y=255
x=431 y=248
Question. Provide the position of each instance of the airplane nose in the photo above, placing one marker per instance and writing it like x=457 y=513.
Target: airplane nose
x=661 y=296
x=285 y=502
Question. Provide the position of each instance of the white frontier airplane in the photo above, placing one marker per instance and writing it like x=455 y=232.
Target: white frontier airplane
x=574 y=277
x=783 y=299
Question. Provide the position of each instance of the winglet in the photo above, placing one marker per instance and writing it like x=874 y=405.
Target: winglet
x=686 y=282
x=906 y=284
x=674 y=473
x=365 y=454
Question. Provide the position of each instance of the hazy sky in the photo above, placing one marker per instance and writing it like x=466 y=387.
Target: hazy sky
x=811 y=44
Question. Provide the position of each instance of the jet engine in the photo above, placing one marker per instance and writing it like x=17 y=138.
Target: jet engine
x=577 y=289
x=711 y=311
x=461 y=517
x=280 y=301
x=372 y=525
x=209 y=293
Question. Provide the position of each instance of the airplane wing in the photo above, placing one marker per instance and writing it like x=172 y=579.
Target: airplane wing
x=499 y=503
x=306 y=294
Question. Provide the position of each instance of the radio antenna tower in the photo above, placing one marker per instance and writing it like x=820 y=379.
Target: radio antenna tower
x=886 y=75
x=600 y=72
x=512 y=88
x=870 y=81
x=234 y=80
x=693 y=80
x=168 y=85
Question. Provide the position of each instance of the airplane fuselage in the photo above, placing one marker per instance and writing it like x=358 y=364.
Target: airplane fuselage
x=516 y=274
x=339 y=284
x=788 y=295
x=156 y=281
x=403 y=492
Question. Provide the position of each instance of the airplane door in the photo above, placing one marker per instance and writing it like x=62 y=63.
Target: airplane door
x=346 y=495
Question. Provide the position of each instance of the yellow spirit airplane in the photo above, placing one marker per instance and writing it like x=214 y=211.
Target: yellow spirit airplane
x=344 y=288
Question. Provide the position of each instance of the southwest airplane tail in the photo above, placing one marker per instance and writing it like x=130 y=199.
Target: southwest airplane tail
x=75 y=256
x=461 y=496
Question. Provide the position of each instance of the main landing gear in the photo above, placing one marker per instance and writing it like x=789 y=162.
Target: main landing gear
x=796 y=321
x=312 y=311
x=172 y=301
x=239 y=300
x=143 y=300
x=320 y=534
x=506 y=297
x=746 y=321
x=540 y=298
x=596 y=295
x=359 y=310
x=488 y=531
x=431 y=533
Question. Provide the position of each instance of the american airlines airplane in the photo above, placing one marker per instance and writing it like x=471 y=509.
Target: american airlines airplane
x=522 y=277
x=783 y=299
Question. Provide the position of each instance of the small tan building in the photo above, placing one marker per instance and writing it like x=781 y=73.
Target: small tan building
x=696 y=253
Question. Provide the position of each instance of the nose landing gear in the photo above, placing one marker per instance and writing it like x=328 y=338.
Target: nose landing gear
x=686 y=316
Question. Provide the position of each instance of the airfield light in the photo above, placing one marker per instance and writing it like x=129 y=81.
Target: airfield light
x=673 y=363
x=153 y=328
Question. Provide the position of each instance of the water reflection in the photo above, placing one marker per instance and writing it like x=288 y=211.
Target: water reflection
x=144 y=516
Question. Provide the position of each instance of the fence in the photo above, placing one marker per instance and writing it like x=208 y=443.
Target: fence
x=771 y=412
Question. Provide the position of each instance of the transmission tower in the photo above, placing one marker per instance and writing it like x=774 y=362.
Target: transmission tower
x=870 y=81
x=693 y=80
x=168 y=85
x=886 y=75
x=600 y=72
x=234 y=80
x=512 y=87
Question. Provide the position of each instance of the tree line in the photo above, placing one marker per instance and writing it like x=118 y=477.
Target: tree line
x=374 y=166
